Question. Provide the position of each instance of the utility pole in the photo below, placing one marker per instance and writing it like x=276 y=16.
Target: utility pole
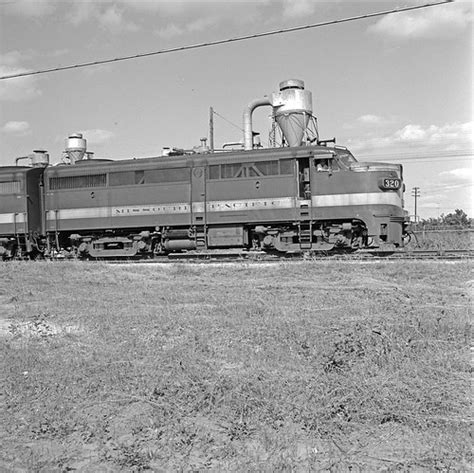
x=211 y=129
x=415 y=192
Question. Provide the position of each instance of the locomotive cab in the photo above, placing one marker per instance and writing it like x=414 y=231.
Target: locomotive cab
x=371 y=193
x=342 y=205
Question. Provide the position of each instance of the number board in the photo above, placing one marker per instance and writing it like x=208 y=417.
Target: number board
x=391 y=183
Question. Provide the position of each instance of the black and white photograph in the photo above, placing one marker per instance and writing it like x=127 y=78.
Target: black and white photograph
x=236 y=235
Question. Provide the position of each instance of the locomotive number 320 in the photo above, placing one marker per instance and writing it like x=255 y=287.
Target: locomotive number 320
x=391 y=183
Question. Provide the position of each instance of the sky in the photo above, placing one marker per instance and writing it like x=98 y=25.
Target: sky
x=396 y=88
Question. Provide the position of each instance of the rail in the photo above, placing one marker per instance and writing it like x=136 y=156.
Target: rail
x=260 y=256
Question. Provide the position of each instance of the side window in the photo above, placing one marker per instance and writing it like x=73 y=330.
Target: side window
x=151 y=176
x=77 y=182
x=251 y=170
x=10 y=187
x=286 y=166
x=326 y=165
x=230 y=171
x=267 y=168
x=345 y=159
x=214 y=172
x=163 y=176
x=126 y=178
x=321 y=165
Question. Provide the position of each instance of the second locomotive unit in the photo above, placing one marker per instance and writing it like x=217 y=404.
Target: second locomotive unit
x=303 y=196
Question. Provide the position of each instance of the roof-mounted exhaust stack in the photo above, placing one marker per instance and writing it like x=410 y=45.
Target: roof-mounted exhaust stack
x=75 y=148
x=248 y=132
x=39 y=158
x=292 y=109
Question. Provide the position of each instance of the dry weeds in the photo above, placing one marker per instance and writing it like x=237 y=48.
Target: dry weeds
x=442 y=240
x=323 y=366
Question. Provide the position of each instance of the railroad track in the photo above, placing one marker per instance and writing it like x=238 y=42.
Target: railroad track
x=260 y=256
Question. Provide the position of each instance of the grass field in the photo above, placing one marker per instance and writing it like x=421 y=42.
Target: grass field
x=311 y=366
x=442 y=240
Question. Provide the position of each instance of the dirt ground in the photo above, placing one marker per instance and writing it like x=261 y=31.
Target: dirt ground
x=309 y=366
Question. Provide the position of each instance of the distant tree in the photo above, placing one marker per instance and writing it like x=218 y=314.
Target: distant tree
x=459 y=218
x=432 y=222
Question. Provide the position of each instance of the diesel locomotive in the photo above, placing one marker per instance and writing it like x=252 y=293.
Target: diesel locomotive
x=306 y=195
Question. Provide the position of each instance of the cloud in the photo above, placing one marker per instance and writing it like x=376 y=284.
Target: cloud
x=81 y=12
x=431 y=23
x=13 y=58
x=16 y=89
x=166 y=7
x=460 y=175
x=97 y=136
x=448 y=137
x=172 y=18
x=58 y=52
x=459 y=179
x=410 y=133
x=172 y=30
x=112 y=19
x=109 y=16
x=30 y=8
x=370 y=119
x=298 y=8
x=16 y=128
x=432 y=205
x=178 y=17
x=452 y=135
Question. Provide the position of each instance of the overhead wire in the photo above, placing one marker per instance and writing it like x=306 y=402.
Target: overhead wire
x=232 y=123
x=228 y=121
x=224 y=41
x=421 y=157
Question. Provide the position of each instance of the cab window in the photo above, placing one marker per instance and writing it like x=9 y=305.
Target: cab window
x=346 y=158
x=325 y=163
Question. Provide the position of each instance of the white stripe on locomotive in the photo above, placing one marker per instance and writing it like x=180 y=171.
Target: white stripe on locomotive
x=330 y=200
x=12 y=218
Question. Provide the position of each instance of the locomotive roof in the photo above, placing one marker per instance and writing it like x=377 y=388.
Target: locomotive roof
x=14 y=168
x=266 y=154
x=257 y=154
x=17 y=170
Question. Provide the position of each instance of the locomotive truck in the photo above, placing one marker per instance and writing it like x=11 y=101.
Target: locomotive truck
x=307 y=195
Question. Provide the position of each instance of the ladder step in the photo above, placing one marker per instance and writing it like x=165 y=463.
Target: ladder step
x=305 y=235
x=200 y=238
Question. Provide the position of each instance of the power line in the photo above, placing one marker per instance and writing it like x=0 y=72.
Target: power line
x=224 y=41
x=428 y=157
x=228 y=121
x=232 y=123
x=414 y=160
x=426 y=152
x=434 y=190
